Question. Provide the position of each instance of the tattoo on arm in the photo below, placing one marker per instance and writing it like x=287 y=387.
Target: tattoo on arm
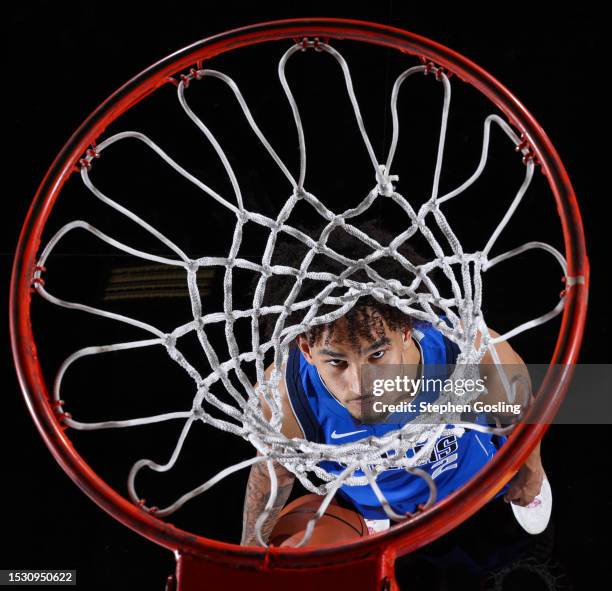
x=256 y=497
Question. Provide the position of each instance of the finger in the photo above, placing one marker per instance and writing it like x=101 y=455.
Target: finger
x=523 y=501
x=511 y=494
x=516 y=498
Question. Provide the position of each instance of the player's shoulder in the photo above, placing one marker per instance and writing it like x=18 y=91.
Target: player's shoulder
x=433 y=342
x=427 y=328
x=505 y=352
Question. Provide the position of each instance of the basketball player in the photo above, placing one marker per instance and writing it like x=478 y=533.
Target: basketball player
x=322 y=400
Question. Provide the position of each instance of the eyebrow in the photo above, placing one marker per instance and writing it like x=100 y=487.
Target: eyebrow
x=331 y=353
x=385 y=340
x=375 y=345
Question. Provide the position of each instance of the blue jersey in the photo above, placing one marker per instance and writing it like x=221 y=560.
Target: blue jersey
x=453 y=461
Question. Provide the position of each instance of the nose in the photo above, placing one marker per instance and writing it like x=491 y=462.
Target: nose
x=354 y=380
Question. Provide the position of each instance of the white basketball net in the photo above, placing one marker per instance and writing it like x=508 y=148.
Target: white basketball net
x=461 y=269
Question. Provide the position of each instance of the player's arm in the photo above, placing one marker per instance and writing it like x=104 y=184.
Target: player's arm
x=528 y=480
x=257 y=495
x=259 y=484
x=513 y=367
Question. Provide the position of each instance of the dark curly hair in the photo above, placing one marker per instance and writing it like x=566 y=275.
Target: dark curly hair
x=364 y=319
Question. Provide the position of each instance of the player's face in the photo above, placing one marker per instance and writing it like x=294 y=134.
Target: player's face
x=339 y=360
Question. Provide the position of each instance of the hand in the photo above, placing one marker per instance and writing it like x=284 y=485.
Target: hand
x=525 y=485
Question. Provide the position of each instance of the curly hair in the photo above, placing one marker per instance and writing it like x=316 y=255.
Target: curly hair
x=364 y=319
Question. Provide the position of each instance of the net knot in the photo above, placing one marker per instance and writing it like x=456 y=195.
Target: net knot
x=360 y=264
x=299 y=192
x=192 y=266
x=169 y=341
x=243 y=216
x=317 y=247
x=482 y=259
x=338 y=220
x=385 y=181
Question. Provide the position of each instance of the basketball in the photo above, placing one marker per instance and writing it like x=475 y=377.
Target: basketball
x=338 y=525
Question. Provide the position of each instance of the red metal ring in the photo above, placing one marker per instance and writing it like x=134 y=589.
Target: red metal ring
x=446 y=514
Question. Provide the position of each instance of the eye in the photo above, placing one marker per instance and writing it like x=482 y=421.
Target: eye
x=336 y=362
x=378 y=355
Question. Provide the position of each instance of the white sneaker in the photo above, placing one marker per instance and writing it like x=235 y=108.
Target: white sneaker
x=377 y=525
x=535 y=517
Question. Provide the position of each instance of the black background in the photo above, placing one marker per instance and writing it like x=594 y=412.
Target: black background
x=63 y=60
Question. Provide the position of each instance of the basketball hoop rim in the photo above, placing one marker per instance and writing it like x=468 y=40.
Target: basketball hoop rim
x=443 y=516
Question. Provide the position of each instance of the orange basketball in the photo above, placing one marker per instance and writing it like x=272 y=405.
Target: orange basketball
x=338 y=525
